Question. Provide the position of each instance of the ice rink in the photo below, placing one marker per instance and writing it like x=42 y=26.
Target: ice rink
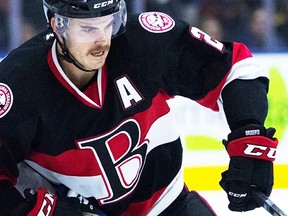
x=218 y=201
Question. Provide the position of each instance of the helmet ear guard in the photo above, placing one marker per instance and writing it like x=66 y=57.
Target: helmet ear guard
x=61 y=24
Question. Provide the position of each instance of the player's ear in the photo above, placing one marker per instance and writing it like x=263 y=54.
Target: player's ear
x=52 y=22
x=55 y=28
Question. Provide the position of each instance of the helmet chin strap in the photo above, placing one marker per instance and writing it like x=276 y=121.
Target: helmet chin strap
x=67 y=56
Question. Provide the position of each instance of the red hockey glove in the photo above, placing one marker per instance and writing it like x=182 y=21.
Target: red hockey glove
x=42 y=203
x=252 y=150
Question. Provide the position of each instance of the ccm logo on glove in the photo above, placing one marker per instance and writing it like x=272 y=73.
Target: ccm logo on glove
x=237 y=194
x=249 y=147
x=256 y=150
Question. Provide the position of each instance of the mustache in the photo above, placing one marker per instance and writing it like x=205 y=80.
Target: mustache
x=98 y=48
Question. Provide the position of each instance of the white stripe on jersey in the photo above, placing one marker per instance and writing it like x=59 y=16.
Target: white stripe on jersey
x=169 y=195
x=246 y=69
x=87 y=186
x=169 y=131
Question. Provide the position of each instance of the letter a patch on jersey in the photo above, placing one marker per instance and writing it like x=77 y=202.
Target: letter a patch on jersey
x=129 y=95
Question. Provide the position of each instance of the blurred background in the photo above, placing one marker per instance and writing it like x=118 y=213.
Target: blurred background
x=261 y=24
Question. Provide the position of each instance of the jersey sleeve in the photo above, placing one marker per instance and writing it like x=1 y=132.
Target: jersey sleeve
x=208 y=65
x=19 y=113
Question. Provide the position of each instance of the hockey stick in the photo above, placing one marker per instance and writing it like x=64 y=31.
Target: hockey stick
x=268 y=205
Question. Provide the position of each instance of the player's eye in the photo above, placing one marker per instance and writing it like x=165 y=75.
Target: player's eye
x=88 y=29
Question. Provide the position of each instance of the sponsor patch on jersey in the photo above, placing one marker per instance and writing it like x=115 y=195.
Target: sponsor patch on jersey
x=6 y=99
x=156 y=22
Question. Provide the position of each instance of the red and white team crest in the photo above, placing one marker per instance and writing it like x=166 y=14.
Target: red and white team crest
x=156 y=22
x=6 y=99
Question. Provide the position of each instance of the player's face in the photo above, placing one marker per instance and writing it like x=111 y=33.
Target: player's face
x=89 y=40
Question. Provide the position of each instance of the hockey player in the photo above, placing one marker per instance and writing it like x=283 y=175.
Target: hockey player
x=85 y=126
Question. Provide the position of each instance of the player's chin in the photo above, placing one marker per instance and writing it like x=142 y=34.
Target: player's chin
x=97 y=64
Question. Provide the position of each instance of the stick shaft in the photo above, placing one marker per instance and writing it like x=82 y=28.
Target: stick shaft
x=270 y=207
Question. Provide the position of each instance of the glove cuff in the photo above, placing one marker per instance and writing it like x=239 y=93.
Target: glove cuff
x=250 y=147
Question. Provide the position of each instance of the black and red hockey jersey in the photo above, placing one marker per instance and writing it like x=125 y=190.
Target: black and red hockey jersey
x=116 y=140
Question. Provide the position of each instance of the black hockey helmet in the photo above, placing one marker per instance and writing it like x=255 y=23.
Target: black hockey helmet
x=81 y=9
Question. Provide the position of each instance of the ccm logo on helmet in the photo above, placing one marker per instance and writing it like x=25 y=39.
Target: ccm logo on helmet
x=258 y=151
x=103 y=4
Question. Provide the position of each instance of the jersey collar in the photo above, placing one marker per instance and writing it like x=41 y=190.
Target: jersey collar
x=94 y=96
